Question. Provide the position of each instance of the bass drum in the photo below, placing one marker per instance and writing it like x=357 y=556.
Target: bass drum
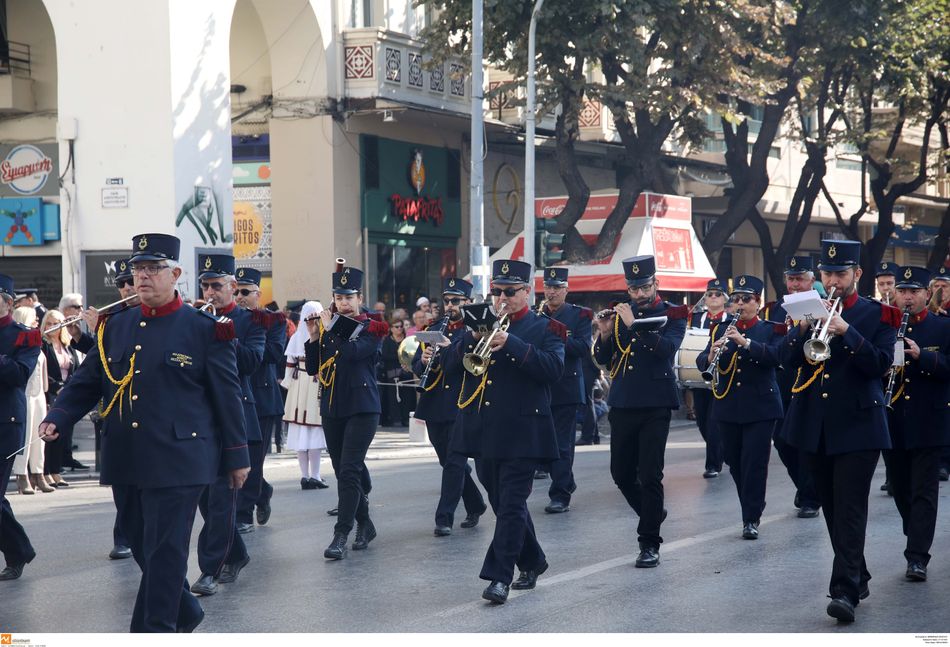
x=688 y=376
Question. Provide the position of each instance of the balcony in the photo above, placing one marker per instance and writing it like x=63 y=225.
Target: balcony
x=382 y=66
x=16 y=86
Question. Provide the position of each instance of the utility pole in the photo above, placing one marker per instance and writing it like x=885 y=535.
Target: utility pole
x=477 y=249
x=529 y=144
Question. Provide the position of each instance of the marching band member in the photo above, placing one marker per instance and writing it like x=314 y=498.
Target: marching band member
x=19 y=351
x=505 y=423
x=155 y=362
x=836 y=414
x=919 y=421
x=885 y=280
x=438 y=407
x=746 y=399
x=715 y=300
x=568 y=393
x=349 y=401
x=799 y=277
x=642 y=397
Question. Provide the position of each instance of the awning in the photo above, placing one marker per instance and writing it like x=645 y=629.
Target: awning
x=660 y=225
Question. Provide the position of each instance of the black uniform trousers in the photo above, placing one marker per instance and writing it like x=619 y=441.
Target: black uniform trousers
x=157 y=523
x=562 y=469
x=637 y=448
x=348 y=439
x=14 y=544
x=708 y=428
x=457 y=481
x=509 y=483
x=219 y=543
x=805 y=493
x=254 y=484
x=843 y=482
x=746 y=449
x=915 y=481
x=268 y=425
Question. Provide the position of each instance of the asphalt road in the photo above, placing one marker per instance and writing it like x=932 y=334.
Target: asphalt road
x=709 y=579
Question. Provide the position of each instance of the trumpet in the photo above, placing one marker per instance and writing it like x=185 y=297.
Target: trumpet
x=711 y=374
x=540 y=308
x=476 y=362
x=209 y=307
x=936 y=301
x=818 y=348
x=76 y=319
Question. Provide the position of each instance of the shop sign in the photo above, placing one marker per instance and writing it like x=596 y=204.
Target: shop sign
x=417 y=207
x=28 y=170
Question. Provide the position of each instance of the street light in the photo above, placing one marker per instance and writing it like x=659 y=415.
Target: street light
x=529 y=255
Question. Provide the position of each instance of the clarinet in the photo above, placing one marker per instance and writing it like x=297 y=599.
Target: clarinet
x=424 y=380
x=711 y=374
x=892 y=373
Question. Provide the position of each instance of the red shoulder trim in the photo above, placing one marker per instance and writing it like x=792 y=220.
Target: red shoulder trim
x=378 y=328
x=587 y=313
x=558 y=329
x=375 y=316
x=276 y=317
x=224 y=329
x=677 y=312
x=891 y=316
x=29 y=339
x=260 y=317
x=780 y=329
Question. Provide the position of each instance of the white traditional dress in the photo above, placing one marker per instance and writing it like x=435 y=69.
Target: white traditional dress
x=302 y=408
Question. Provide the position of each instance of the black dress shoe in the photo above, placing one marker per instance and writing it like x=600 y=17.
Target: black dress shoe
x=205 y=585
x=245 y=528
x=337 y=547
x=583 y=441
x=12 y=572
x=710 y=474
x=865 y=592
x=263 y=512
x=496 y=592
x=841 y=609
x=943 y=474
x=556 y=507
x=540 y=474
x=750 y=530
x=191 y=626
x=807 y=512
x=76 y=465
x=649 y=557
x=305 y=484
x=529 y=579
x=916 y=572
x=120 y=552
x=471 y=520
x=884 y=486
x=442 y=531
x=365 y=533
x=333 y=512
x=230 y=572
x=798 y=500
x=596 y=440
x=318 y=484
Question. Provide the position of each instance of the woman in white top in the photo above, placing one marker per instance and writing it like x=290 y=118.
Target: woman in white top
x=30 y=462
x=302 y=408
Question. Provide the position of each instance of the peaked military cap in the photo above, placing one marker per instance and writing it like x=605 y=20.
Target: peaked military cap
x=639 y=270
x=123 y=269
x=716 y=284
x=248 y=275
x=509 y=272
x=798 y=264
x=837 y=255
x=347 y=281
x=886 y=269
x=745 y=284
x=912 y=277
x=6 y=286
x=555 y=277
x=214 y=265
x=457 y=286
x=155 y=247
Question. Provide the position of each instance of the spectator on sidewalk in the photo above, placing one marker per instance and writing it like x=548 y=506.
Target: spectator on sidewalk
x=62 y=361
x=28 y=466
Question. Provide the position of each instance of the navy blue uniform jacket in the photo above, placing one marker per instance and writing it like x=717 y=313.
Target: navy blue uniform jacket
x=577 y=320
x=19 y=348
x=750 y=392
x=644 y=377
x=249 y=329
x=511 y=417
x=921 y=415
x=181 y=421
x=264 y=382
x=440 y=402
x=845 y=401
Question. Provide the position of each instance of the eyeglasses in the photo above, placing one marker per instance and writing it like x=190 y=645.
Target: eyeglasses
x=454 y=301
x=212 y=286
x=150 y=270
x=744 y=298
x=714 y=293
x=508 y=292
x=121 y=283
x=641 y=288
x=397 y=325
x=244 y=292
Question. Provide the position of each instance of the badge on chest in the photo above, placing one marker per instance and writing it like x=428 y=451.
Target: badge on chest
x=180 y=359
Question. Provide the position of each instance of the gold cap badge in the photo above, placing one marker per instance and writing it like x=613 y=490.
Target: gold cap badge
x=143 y=242
x=207 y=262
x=793 y=262
x=741 y=280
x=883 y=266
x=832 y=252
x=451 y=283
x=241 y=273
x=908 y=273
x=122 y=266
x=504 y=268
x=343 y=279
x=635 y=269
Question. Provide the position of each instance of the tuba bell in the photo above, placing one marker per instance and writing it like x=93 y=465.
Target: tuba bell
x=407 y=351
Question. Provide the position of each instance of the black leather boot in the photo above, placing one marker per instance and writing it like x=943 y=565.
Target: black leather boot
x=337 y=547
x=365 y=533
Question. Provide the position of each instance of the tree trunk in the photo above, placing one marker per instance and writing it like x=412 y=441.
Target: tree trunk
x=938 y=255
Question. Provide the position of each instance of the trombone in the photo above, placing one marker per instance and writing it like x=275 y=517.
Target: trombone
x=77 y=318
x=818 y=348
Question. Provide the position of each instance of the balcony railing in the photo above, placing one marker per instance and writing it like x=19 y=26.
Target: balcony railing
x=16 y=60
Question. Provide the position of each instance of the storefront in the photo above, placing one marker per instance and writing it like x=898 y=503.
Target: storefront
x=411 y=217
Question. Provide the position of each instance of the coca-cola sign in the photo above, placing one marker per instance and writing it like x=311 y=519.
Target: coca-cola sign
x=28 y=170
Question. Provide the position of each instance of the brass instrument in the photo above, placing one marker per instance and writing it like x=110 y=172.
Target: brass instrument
x=818 y=348
x=476 y=362
x=540 y=308
x=407 y=351
x=76 y=319
x=892 y=372
x=936 y=301
x=711 y=374
x=209 y=307
x=424 y=380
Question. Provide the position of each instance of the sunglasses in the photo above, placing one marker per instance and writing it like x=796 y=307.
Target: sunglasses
x=743 y=298
x=212 y=286
x=714 y=293
x=454 y=301
x=244 y=292
x=397 y=325
x=508 y=292
x=121 y=283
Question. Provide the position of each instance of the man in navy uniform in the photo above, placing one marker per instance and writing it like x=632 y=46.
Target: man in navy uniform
x=568 y=393
x=746 y=403
x=168 y=380
x=19 y=349
x=642 y=396
x=919 y=421
x=940 y=285
x=513 y=394
x=715 y=299
x=836 y=415
x=267 y=400
x=221 y=550
x=885 y=276
x=799 y=277
x=438 y=406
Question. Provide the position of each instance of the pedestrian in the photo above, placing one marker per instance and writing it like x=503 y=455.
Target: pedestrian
x=302 y=408
x=420 y=319
x=62 y=362
x=186 y=426
x=28 y=466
